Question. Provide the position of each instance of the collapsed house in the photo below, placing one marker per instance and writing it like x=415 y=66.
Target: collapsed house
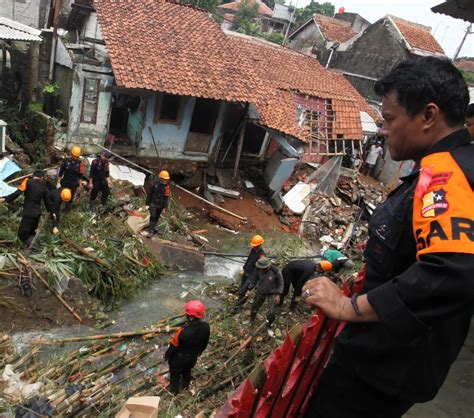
x=161 y=81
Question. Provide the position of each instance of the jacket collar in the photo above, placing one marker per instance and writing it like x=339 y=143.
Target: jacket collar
x=452 y=141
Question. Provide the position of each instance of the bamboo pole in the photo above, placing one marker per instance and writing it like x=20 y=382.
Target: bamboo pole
x=24 y=261
x=211 y=204
x=100 y=261
x=29 y=175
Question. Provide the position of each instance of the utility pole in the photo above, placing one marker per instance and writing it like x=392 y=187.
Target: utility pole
x=468 y=32
x=291 y=20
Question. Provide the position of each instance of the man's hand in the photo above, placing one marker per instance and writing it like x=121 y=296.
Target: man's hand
x=2 y=200
x=54 y=216
x=109 y=182
x=90 y=185
x=55 y=231
x=277 y=299
x=58 y=185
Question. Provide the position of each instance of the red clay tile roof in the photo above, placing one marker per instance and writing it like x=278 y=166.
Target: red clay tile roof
x=334 y=29
x=164 y=46
x=417 y=36
x=263 y=9
x=465 y=65
x=229 y=17
x=286 y=72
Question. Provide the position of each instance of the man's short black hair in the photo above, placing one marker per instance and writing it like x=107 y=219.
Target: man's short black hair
x=428 y=80
x=470 y=111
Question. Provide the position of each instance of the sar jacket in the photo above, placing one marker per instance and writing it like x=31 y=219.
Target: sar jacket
x=420 y=277
x=99 y=171
x=159 y=195
x=35 y=192
x=191 y=339
x=267 y=282
x=254 y=255
x=71 y=171
x=297 y=272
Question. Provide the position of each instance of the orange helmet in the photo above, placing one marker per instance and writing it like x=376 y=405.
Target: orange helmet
x=76 y=151
x=256 y=241
x=325 y=265
x=66 y=195
x=164 y=175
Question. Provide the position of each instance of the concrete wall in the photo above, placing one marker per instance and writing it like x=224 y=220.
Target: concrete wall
x=88 y=133
x=63 y=77
x=170 y=138
x=307 y=38
x=374 y=53
x=33 y=13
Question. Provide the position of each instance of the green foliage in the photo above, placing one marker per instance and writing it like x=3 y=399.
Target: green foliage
x=276 y=38
x=35 y=107
x=210 y=5
x=51 y=89
x=245 y=18
x=305 y=13
x=468 y=76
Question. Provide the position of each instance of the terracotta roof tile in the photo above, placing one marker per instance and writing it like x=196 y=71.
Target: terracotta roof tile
x=263 y=9
x=418 y=36
x=164 y=46
x=287 y=73
x=334 y=29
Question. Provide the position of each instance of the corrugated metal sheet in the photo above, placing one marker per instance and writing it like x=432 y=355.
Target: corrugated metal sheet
x=14 y=31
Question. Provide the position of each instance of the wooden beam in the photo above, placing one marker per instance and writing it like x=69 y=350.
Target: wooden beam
x=239 y=146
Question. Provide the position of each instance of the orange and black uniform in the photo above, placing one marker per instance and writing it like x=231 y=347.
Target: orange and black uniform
x=71 y=173
x=256 y=253
x=99 y=173
x=420 y=264
x=185 y=347
x=35 y=193
x=157 y=200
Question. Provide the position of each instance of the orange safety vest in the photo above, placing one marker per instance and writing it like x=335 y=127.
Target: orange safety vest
x=23 y=184
x=175 y=340
x=167 y=192
x=443 y=208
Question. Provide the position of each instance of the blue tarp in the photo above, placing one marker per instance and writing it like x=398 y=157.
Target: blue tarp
x=5 y=189
x=7 y=168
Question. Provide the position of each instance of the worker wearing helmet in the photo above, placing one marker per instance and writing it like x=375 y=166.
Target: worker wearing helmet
x=256 y=253
x=187 y=345
x=268 y=283
x=71 y=173
x=297 y=272
x=157 y=200
x=99 y=179
x=54 y=199
x=338 y=260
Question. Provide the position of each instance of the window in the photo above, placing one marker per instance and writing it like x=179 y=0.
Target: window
x=204 y=116
x=168 y=109
x=90 y=100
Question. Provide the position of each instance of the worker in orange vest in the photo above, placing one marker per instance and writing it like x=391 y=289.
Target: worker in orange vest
x=70 y=174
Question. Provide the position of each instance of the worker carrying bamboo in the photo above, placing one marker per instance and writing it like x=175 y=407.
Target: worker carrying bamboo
x=338 y=260
x=157 y=200
x=70 y=174
x=55 y=198
x=296 y=273
x=186 y=346
x=412 y=317
x=256 y=253
x=268 y=283
x=99 y=179
x=35 y=193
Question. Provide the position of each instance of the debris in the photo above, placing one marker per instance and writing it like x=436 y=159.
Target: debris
x=7 y=168
x=249 y=184
x=222 y=191
x=295 y=197
x=143 y=407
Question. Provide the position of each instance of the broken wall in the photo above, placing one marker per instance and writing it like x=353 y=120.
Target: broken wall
x=374 y=53
x=307 y=38
x=171 y=138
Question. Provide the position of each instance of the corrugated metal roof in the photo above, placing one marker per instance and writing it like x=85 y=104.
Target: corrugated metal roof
x=14 y=31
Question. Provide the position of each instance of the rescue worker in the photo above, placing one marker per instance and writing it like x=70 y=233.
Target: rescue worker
x=70 y=174
x=187 y=345
x=55 y=198
x=35 y=193
x=338 y=260
x=411 y=319
x=268 y=283
x=296 y=273
x=256 y=253
x=469 y=123
x=157 y=200
x=99 y=179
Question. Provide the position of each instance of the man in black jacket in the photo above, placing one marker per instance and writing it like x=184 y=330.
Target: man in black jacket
x=187 y=345
x=35 y=193
x=99 y=179
x=296 y=273
x=70 y=174
x=268 y=283
x=55 y=198
x=407 y=326
x=157 y=200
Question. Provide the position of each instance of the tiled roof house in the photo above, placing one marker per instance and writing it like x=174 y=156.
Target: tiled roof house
x=332 y=30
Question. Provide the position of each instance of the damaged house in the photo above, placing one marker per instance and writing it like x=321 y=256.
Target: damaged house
x=168 y=86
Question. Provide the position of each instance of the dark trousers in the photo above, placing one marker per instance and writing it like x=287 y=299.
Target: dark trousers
x=258 y=301
x=102 y=188
x=340 y=394
x=155 y=212
x=27 y=228
x=181 y=365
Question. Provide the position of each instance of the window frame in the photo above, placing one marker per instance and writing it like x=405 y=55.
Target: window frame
x=159 y=107
x=94 y=119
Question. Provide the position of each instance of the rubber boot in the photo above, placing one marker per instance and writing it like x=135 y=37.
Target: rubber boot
x=26 y=287
x=92 y=206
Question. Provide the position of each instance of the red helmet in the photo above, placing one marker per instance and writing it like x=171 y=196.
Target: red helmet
x=195 y=308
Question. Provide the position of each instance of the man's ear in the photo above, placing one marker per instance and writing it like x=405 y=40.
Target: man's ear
x=431 y=114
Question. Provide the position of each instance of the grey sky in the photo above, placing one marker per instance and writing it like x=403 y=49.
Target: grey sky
x=447 y=31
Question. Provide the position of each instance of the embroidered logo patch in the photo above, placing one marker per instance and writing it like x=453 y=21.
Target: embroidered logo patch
x=434 y=203
x=440 y=179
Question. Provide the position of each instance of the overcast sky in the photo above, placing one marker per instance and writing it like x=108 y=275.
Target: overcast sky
x=447 y=31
